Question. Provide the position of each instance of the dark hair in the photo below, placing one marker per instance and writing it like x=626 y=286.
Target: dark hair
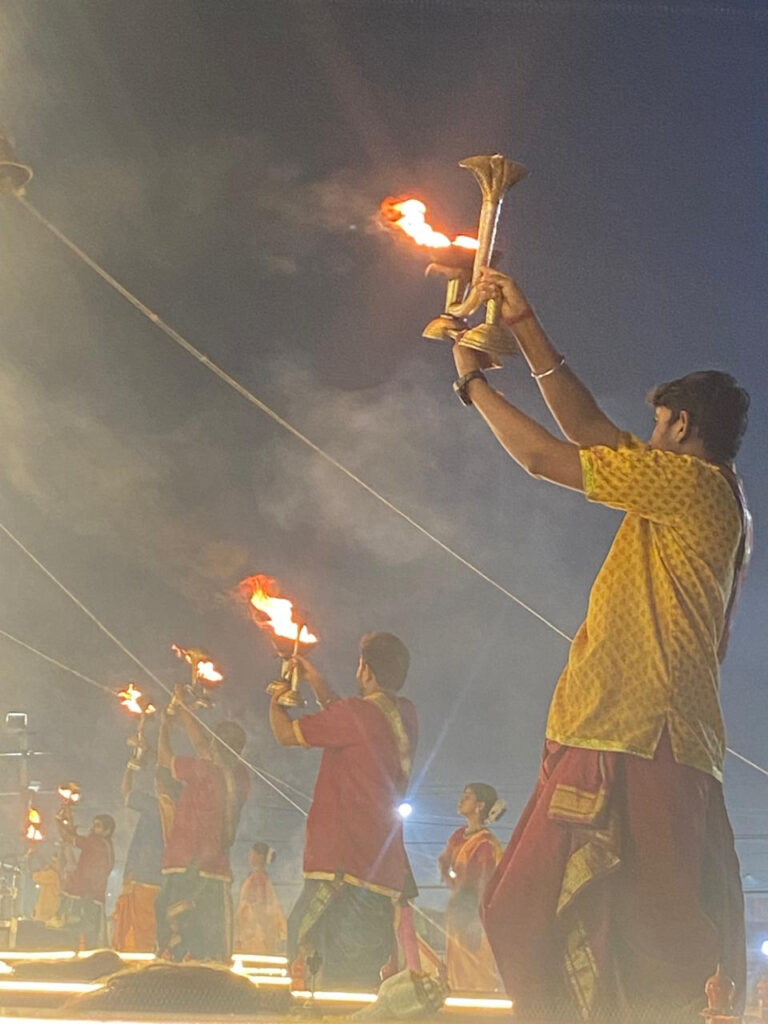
x=485 y=793
x=261 y=848
x=232 y=735
x=387 y=657
x=107 y=822
x=716 y=405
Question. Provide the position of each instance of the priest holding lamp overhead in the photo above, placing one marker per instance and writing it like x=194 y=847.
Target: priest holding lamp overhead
x=357 y=878
x=620 y=887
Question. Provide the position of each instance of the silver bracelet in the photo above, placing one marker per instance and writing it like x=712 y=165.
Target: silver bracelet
x=546 y=373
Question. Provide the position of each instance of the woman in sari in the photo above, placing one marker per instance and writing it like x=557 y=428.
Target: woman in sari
x=260 y=924
x=466 y=864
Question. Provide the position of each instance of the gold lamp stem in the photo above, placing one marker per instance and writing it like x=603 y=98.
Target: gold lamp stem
x=292 y=698
x=494 y=175
x=454 y=290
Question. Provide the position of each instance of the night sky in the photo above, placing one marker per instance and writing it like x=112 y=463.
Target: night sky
x=225 y=162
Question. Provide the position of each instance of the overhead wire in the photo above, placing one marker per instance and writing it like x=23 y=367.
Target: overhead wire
x=250 y=397
x=105 y=689
x=137 y=661
x=53 y=661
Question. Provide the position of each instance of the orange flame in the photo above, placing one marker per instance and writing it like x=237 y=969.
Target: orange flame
x=134 y=701
x=70 y=792
x=272 y=612
x=34 y=833
x=207 y=670
x=204 y=667
x=409 y=215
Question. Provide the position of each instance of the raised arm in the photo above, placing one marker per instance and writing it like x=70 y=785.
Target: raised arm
x=530 y=445
x=574 y=408
x=282 y=724
x=164 y=748
x=126 y=785
x=196 y=734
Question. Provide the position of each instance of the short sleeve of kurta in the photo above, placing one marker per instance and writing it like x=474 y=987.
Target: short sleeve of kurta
x=653 y=484
x=336 y=726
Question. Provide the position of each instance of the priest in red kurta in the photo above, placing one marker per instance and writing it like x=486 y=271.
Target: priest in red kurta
x=355 y=866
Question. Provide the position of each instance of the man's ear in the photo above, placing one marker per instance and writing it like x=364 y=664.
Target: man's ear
x=683 y=426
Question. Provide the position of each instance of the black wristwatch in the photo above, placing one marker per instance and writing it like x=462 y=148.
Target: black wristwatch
x=460 y=385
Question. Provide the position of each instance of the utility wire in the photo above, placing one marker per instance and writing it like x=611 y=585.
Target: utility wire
x=241 y=390
x=53 y=661
x=111 y=693
x=137 y=661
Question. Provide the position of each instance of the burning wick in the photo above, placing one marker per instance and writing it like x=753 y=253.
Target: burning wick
x=70 y=795
x=278 y=617
x=205 y=676
x=202 y=667
x=135 y=703
x=34 y=833
x=409 y=215
x=453 y=260
x=69 y=792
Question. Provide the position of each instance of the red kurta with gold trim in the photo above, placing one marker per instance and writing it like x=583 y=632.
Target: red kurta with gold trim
x=198 y=834
x=354 y=831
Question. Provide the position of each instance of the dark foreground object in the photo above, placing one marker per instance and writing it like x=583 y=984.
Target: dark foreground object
x=100 y=964
x=178 y=988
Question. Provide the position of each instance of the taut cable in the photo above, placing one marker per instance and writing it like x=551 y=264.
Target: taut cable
x=241 y=390
x=105 y=689
x=166 y=689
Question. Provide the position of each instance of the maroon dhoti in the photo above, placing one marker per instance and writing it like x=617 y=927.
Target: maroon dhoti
x=619 y=892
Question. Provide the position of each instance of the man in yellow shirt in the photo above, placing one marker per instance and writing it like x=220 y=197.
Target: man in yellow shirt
x=619 y=892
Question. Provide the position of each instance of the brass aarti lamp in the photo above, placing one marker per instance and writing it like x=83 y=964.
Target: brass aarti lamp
x=289 y=673
x=448 y=326
x=495 y=175
x=286 y=626
x=205 y=677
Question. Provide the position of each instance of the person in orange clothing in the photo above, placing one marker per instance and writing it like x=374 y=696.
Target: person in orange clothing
x=134 y=918
x=47 y=879
x=619 y=892
x=260 y=925
x=466 y=865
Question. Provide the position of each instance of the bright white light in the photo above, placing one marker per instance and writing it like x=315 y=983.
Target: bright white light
x=68 y=987
x=336 y=997
x=405 y=810
x=764 y=948
x=470 y=1002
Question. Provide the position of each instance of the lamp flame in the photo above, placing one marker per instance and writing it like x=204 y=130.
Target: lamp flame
x=273 y=613
x=33 y=831
x=70 y=792
x=205 y=669
x=409 y=216
x=134 y=701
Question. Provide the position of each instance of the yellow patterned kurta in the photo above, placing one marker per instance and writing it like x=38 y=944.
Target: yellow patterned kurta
x=646 y=655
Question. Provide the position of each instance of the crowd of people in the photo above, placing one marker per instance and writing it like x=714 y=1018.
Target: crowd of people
x=354 y=912
x=619 y=890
